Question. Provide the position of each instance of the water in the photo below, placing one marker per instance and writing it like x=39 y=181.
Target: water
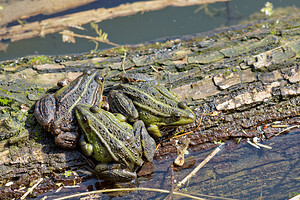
x=238 y=171
x=171 y=21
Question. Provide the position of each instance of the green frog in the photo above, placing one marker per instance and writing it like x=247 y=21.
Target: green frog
x=55 y=112
x=119 y=148
x=143 y=98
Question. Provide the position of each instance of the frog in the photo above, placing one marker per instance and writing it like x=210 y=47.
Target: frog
x=140 y=97
x=55 y=112
x=118 y=148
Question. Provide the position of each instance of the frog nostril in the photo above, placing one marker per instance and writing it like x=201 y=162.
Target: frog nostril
x=192 y=116
x=84 y=119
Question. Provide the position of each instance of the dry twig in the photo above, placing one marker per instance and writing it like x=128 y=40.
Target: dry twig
x=208 y=158
x=128 y=189
x=72 y=34
x=32 y=188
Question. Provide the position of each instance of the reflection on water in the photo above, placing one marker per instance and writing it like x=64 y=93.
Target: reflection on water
x=238 y=171
x=146 y=26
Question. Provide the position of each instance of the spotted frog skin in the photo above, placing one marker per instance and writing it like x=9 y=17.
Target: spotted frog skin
x=140 y=97
x=55 y=112
x=119 y=148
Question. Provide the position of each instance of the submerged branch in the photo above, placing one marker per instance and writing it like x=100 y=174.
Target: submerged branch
x=56 y=24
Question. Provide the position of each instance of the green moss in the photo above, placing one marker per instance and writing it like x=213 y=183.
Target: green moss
x=39 y=60
x=5 y=91
x=37 y=136
x=40 y=89
x=5 y=102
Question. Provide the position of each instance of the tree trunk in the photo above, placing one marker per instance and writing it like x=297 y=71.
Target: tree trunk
x=244 y=80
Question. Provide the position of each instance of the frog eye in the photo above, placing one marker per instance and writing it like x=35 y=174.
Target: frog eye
x=182 y=105
x=99 y=79
x=94 y=109
x=84 y=119
x=177 y=116
x=87 y=72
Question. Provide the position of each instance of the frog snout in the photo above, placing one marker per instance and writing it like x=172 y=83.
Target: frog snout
x=192 y=116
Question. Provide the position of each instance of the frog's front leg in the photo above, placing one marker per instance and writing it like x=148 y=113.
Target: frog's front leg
x=120 y=103
x=147 y=142
x=114 y=173
x=154 y=130
x=85 y=147
x=44 y=111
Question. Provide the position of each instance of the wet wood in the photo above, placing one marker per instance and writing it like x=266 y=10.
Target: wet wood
x=245 y=78
x=56 y=24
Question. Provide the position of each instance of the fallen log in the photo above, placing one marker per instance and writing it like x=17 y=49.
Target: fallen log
x=245 y=79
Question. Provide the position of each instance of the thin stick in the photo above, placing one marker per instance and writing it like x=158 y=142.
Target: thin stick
x=128 y=189
x=208 y=158
x=88 y=37
x=169 y=197
x=31 y=189
x=287 y=129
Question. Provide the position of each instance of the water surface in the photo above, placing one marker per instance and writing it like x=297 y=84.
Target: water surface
x=142 y=27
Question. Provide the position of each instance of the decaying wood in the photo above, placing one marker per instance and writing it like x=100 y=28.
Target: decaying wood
x=246 y=77
x=53 y=25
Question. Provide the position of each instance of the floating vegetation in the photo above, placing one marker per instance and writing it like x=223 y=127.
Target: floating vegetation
x=268 y=9
x=69 y=36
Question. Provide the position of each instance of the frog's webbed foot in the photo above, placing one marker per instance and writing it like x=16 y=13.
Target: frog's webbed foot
x=114 y=173
x=147 y=142
x=120 y=103
x=67 y=140
x=45 y=110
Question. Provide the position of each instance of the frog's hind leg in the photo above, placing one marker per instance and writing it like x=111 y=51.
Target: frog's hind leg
x=120 y=103
x=147 y=142
x=114 y=173
x=45 y=110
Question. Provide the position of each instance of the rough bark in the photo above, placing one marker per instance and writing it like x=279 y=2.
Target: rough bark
x=245 y=78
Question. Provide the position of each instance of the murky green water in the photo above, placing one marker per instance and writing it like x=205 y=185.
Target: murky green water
x=172 y=21
x=238 y=171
